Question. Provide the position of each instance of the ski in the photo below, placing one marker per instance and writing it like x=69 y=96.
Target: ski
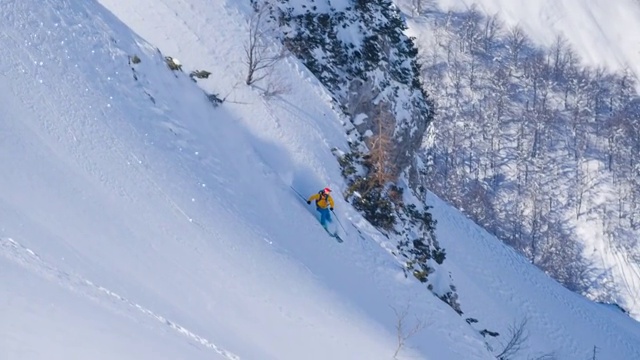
x=333 y=235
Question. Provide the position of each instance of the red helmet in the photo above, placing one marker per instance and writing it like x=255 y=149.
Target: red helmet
x=327 y=190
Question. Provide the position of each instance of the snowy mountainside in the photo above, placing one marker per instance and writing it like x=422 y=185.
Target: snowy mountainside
x=139 y=221
x=278 y=108
x=490 y=282
x=580 y=200
x=360 y=54
x=358 y=51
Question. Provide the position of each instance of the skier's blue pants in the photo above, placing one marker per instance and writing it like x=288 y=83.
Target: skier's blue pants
x=325 y=216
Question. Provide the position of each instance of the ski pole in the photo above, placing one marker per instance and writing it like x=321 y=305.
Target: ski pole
x=296 y=191
x=336 y=216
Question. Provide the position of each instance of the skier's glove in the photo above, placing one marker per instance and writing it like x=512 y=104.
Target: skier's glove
x=331 y=209
x=308 y=202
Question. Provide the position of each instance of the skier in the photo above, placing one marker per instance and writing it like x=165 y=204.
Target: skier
x=323 y=201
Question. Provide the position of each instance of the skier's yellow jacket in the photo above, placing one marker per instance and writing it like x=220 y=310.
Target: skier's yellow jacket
x=322 y=200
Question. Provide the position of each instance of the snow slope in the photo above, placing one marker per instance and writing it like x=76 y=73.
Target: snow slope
x=138 y=221
x=490 y=282
x=603 y=33
x=134 y=207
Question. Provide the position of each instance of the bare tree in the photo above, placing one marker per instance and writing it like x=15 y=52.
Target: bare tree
x=518 y=337
x=516 y=42
x=260 y=58
x=275 y=86
x=471 y=30
x=381 y=145
x=560 y=57
x=405 y=331
x=585 y=184
x=418 y=6
x=492 y=28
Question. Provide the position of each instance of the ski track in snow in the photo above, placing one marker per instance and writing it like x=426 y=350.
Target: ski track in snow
x=16 y=252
